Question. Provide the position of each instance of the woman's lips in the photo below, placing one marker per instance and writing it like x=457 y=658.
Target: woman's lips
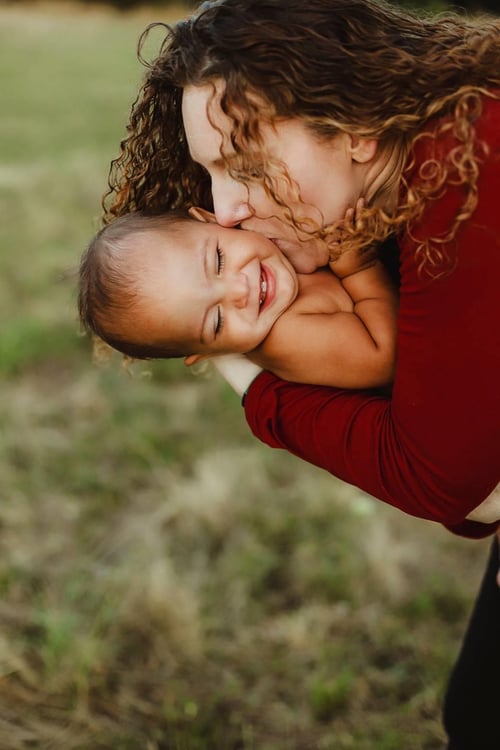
x=267 y=287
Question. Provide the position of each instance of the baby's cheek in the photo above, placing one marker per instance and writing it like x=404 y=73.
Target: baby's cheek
x=256 y=336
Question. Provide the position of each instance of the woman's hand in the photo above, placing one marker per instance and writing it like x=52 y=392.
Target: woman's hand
x=344 y=263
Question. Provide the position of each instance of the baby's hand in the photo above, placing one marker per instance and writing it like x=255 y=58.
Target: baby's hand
x=344 y=263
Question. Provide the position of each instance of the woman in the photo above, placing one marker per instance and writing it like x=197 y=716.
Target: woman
x=276 y=103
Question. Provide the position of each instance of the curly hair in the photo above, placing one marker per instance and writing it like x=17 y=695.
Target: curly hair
x=361 y=67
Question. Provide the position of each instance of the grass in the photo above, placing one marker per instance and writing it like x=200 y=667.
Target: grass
x=168 y=583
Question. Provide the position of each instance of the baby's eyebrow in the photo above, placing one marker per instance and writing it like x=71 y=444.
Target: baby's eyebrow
x=204 y=260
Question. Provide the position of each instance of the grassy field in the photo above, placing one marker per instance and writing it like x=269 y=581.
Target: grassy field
x=168 y=583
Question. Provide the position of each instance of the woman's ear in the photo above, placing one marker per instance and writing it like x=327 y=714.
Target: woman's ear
x=363 y=149
x=201 y=214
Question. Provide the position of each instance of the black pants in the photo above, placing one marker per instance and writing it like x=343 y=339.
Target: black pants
x=472 y=703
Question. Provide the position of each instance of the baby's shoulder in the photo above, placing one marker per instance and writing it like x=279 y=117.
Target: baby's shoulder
x=321 y=292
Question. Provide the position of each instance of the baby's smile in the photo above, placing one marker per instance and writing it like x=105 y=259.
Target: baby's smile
x=267 y=287
x=263 y=287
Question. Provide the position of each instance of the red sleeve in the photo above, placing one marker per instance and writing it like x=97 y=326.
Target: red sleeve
x=433 y=449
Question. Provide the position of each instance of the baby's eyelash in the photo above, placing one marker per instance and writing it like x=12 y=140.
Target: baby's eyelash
x=220 y=261
x=219 y=320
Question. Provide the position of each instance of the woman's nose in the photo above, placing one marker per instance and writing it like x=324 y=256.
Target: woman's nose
x=231 y=204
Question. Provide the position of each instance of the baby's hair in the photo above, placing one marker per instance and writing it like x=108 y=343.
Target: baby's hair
x=109 y=292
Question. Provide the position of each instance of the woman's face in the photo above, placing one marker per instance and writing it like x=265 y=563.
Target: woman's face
x=328 y=178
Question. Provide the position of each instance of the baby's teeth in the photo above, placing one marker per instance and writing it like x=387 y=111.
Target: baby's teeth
x=263 y=290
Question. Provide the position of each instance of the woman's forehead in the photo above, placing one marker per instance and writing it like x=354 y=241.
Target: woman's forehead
x=203 y=132
x=202 y=112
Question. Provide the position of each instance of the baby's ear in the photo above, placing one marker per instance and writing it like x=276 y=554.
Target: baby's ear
x=201 y=214
x=192 y=359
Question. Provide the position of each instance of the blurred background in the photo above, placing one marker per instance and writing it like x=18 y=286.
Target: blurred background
x=167 y=582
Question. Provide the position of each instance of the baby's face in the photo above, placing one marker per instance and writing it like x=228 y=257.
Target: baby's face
x=209 y=289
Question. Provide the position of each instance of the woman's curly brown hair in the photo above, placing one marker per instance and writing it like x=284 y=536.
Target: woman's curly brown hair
x=362 y=67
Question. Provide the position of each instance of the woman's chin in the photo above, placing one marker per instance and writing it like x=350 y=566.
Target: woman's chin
x=302 y=259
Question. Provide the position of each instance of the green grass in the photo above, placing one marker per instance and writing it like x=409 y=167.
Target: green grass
x=168 y=583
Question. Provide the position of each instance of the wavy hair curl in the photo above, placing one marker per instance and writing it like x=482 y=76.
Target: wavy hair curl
x=361 y=67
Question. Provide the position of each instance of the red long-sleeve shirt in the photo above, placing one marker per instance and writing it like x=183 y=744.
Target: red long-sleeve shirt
x=433 y=448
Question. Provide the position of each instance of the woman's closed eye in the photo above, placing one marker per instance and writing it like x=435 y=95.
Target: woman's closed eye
x=248 y=174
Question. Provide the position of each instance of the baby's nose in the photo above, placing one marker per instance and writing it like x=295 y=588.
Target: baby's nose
x=238 y=290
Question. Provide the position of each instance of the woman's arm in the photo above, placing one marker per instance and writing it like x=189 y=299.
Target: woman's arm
x=433 y=450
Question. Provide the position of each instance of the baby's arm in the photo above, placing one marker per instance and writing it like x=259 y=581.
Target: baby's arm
x=347 y=349
x=375 y=298
x=376 y=306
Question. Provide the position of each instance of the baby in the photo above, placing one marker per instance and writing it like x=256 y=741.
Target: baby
x=179 y=285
